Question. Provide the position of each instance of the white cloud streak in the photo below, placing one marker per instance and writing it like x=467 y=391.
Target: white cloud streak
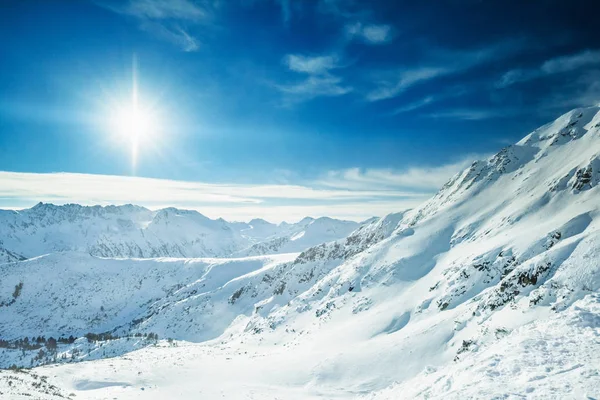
x=315 y=86
x=571 y=62
x=164 y=9
x=406 y=78
x=175 y=35
x=319 y=82
x=473 y=114
x=415 y=179
x=311 y=65
x=442 y=63
x=552 y=66
x=431 y=99
x=167 y=20
x=353 y=193
x=425 y=101
x=370 y=33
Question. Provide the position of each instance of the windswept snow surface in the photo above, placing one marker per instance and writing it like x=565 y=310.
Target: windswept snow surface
x=488 y=290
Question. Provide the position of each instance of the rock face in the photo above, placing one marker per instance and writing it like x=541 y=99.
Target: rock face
x=505 y=253
x=131 y=231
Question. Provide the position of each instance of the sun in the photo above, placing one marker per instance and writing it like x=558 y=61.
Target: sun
x=133 y=124
x=134 y=127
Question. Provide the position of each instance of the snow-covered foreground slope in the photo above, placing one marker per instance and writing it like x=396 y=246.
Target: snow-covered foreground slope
x=488 y=290
x=553 y=358
x=132 y=231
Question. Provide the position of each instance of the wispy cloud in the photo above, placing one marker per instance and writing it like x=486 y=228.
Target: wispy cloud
x=582 y=91
x=571 y=62
x=359 y=20
x=311 y=65
x=405 y=79
x=286 y=10
x=440 y=63
x=552 y=66
x=430 y=99
x=175 y=35
x=415 y=179
x=477 y=114
x=415 y=105
x=164 y=9
x=350 y=193
x=370 y=33
x=315 y=86
x=320 y=81
x=168 y=20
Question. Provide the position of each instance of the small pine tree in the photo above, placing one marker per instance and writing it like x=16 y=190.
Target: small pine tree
x=51 y=343
x=17 y=291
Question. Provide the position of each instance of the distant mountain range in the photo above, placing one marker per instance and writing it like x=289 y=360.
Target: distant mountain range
x=131 y=231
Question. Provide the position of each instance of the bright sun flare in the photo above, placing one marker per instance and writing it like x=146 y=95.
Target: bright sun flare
x=132 y=124
x=133 y=127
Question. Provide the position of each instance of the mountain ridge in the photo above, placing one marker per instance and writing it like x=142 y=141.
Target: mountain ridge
x=135 y=231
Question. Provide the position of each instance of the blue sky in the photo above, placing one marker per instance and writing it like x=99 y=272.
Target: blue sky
x=345 y=108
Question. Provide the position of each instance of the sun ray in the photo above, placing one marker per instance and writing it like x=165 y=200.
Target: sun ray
x=133 y=123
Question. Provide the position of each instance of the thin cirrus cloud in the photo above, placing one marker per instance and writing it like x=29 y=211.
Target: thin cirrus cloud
x=552 y=66
x=352 y=193
x=474 y=114
x=167 y=20
x=426 y=101
x=318 y=79
x=406 y=78
x=315 y=86
x=311 y=65
x=440 y=63
x=415 y=179
x=370 y=33
x=415 y=105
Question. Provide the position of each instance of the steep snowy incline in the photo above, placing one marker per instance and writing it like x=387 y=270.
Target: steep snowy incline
x=132 y=231
x=507 y=241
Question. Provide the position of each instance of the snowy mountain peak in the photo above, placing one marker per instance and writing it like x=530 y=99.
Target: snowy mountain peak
x=569 y=126
x=259 y=221
x=575 y=165
x=305 y=220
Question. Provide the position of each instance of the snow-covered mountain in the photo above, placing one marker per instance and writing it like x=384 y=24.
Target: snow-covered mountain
x=487 y=290
x=132 y=231
x=294 y=238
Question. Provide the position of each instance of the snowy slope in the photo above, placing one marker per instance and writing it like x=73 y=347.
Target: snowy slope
x=71 y=293
x=553 y=358
x=132 y=231
x=487 y=290
x=294 y=238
